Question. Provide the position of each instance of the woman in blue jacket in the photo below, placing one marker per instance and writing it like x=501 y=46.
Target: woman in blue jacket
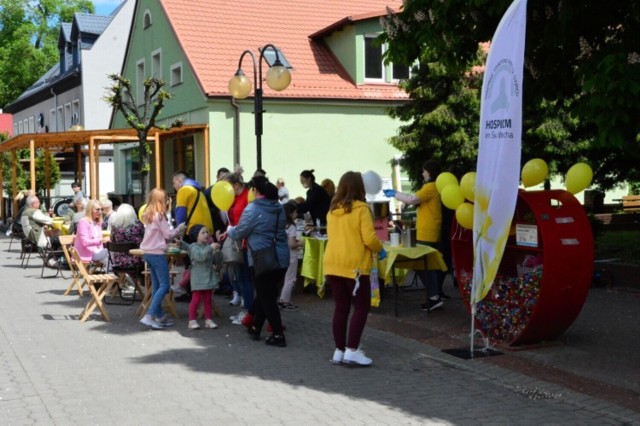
x=263 y=224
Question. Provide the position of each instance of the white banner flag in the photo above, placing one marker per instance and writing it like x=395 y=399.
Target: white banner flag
x=498 y=169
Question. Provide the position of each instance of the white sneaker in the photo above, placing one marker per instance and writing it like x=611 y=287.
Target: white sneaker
x=52 y=263
x=237 y=320
x=210 y=324
x=356 y=357
x=236 y=299
x=193 y=325
x=177 y=290
x=150 y=321
x=338 y=356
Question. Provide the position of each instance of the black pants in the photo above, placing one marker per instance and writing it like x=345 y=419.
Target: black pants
x=265 y=306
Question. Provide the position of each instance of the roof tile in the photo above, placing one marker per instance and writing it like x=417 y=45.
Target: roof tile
x=214 y=34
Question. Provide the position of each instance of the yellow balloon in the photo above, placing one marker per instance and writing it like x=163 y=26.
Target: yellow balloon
x=464 y=215
x=468 y=185
x=252 y=195
x=452 y=196
x=445 y=179
x=140 y=211
x=222 y=195
x=534 y=172
x=578 y=177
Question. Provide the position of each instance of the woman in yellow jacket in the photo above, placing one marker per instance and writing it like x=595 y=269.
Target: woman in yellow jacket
x=428 y=228
x=351 y=244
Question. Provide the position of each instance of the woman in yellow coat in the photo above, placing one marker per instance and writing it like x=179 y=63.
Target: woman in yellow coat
x=351 y=244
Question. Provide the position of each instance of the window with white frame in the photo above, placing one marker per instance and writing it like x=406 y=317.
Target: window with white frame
x=156 y=63
x=147 y=21
x=32 y=124
x=140 y=77
x=375 y=70
x=75 y=110
x=25 y=125
x=60 y=120
x=67 y=117
x=20 y=128
x=52 y=119
x=176 y=74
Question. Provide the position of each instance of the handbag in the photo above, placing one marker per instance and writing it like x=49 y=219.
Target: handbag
x=232 y=252
x=266 y=259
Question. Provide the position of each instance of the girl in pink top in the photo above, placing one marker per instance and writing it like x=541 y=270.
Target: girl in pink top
x=157 y=232
x=89 y=240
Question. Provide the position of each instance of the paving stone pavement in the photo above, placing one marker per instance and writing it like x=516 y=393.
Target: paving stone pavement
x=56 y=370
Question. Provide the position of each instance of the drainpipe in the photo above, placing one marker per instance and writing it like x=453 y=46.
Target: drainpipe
x=55 y=107
x=236 y=132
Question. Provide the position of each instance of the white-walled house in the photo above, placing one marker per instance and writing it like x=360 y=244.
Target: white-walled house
x=72 y=91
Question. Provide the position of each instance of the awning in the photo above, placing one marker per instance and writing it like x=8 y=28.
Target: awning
x=63 y=141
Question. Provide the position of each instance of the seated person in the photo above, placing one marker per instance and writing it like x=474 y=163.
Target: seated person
x=34 y=222
x=107 y=211
x=80 y=205
x=89 y=241
x=126 y=228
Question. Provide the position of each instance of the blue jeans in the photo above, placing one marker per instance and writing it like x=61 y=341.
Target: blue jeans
x=431 y=278
x=241 y=283
x=159 y=270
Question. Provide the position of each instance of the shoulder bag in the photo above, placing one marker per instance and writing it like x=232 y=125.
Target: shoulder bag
x=232 y=252
x=266 y=259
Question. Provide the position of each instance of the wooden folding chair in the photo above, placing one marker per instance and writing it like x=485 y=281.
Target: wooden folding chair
x=47 y=253
x=66 y=241
x=135 y=273
x=99 y=286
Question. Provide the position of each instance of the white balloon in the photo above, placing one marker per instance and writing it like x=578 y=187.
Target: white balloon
x=372 y=182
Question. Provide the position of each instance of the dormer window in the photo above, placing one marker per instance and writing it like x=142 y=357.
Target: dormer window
x=147 y=19
x=375 y=70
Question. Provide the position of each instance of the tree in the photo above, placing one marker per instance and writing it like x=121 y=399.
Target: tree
x=29 y=40
x=142 y=117
x=23 y=178
x=581 y=71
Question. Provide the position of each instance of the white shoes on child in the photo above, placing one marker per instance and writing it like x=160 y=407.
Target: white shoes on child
x=193 y=324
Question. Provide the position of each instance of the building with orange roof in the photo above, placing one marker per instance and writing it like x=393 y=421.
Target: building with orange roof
x=331 y=118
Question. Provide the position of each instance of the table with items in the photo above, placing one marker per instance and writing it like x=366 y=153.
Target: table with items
x=398 y=259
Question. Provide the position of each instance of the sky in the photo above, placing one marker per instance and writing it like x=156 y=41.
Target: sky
x=105 y=7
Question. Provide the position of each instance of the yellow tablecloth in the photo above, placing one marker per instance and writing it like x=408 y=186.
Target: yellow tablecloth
x=409 y=257
x=61 y=226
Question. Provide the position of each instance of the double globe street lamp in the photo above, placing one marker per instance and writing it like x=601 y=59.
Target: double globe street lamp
x=278 y=79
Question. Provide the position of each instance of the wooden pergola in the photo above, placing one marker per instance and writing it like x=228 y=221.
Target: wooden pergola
x=65 y=141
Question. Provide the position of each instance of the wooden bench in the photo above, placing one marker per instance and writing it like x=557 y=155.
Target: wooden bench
x=631 y=203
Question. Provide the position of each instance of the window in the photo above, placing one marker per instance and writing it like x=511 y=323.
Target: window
x=32 y=125
x=176 y=74
x=147 y=19
x=60 y=120
x=25 y=125
x=374 y=66
x=270 y=56
x=20 y=128
x=52 y=120
x=133 y=180
x=156 y=63
x=75 y=111
x=67 y=117
x=184 y=155
x=140 y=82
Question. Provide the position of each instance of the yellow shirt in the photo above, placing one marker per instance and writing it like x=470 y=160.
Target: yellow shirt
x=351 y=241
x=185 y=198
x=429 y=215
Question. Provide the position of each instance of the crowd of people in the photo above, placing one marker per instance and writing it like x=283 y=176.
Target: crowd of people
x=252 y=247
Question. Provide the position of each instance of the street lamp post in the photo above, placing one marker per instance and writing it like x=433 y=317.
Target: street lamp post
x=278 y=78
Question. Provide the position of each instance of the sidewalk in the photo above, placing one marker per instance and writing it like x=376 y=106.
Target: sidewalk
x=56 y=370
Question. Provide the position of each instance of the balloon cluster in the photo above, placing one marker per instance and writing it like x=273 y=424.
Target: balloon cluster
x=578 y=177
x=505 y=312
x=453 y=195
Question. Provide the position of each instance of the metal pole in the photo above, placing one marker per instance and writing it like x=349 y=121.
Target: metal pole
x=258 y=113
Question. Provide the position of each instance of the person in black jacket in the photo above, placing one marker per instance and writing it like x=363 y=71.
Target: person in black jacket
x=317 y=202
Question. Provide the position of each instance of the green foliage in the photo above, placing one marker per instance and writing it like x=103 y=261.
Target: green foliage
x=622 y=245
x=581 y=77
x=143 y=117
x=29 y=40
x=23 y=179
